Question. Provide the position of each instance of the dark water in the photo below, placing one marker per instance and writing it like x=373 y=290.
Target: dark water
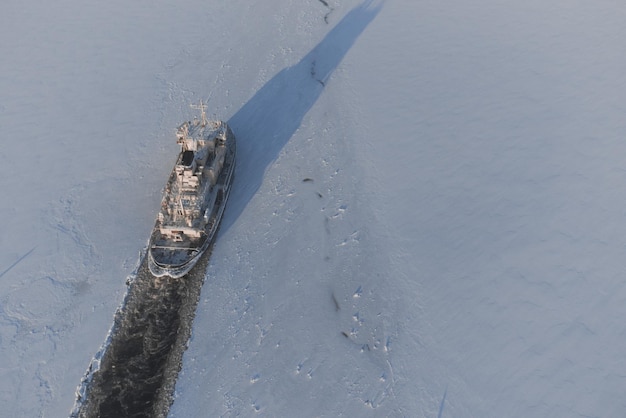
x=138 y=370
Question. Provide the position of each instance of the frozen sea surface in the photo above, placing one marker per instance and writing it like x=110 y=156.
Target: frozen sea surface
x=429 y=220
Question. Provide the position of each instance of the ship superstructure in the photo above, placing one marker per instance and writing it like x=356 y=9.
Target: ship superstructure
x=194 y=198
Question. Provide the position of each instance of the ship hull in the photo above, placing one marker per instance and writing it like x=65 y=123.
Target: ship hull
x=176 y=259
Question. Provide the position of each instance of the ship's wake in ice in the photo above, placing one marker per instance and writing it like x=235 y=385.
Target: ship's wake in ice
x=134 y=373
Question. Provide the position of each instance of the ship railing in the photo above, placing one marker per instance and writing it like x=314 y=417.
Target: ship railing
x=172 y=247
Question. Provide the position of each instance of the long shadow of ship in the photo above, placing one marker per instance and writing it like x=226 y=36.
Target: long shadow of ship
x=269 y=119
x=135 y=373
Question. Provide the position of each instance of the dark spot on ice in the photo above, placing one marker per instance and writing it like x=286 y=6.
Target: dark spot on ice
x=314 y=74
x=319 y=195
x=337 y=307
x=325 y=3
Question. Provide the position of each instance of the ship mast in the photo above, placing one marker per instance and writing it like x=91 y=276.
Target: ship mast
x=202 y=108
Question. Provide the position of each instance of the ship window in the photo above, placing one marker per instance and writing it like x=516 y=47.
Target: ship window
x=187 y=158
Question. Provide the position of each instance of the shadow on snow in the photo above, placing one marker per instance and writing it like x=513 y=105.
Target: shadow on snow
x=269 y=119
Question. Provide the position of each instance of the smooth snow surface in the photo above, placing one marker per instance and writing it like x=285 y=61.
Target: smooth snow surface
x=428 y=214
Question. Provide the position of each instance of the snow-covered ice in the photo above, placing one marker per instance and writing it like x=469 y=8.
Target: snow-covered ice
x=427 y=217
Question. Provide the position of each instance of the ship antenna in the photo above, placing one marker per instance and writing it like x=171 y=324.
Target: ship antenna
x=182 y=207
x=202 y=108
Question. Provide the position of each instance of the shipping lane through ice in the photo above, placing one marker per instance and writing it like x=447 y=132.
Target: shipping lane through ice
x=134 y=373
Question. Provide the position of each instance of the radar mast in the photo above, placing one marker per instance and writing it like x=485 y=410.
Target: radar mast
x=202 y=108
